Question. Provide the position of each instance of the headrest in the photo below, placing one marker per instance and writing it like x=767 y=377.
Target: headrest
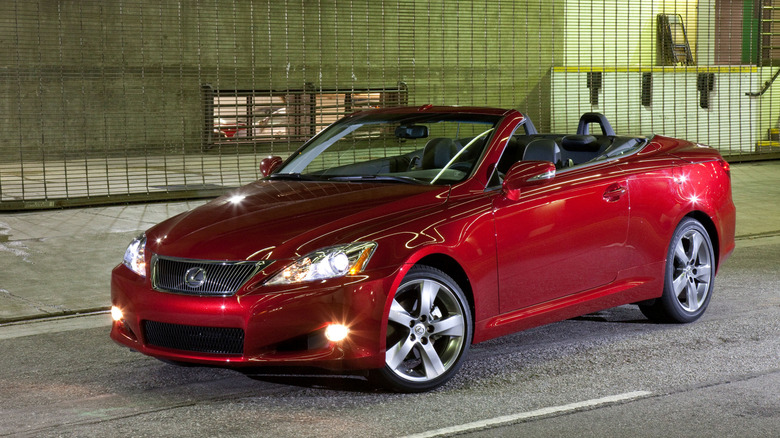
x=542 y=149
x=588 y=118
x=438 y=152
x=580 y=143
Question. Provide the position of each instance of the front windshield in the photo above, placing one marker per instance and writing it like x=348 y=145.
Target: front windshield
x=413 y=148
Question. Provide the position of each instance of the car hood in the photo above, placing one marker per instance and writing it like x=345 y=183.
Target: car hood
x=283 y=219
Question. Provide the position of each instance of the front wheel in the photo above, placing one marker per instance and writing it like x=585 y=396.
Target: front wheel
x=429 y=331
x=689 y=276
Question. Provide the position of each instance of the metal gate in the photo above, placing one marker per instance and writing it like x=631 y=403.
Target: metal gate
x=135 y=100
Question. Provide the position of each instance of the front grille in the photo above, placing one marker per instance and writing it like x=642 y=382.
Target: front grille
x=201 y=277
x=213 y=340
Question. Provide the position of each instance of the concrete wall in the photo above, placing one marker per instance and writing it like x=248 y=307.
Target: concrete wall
x=122 y=78
x=612 y=33
x=99 y=98
x=618 y=40
x=675 y=109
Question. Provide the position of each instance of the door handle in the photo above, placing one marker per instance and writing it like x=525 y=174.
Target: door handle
x=614 y=192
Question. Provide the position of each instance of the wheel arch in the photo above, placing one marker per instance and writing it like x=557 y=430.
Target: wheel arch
x=451 y=267
x=712 y=230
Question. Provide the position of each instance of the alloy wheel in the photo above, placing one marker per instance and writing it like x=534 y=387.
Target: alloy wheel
x=426 y=330
x=692 y=270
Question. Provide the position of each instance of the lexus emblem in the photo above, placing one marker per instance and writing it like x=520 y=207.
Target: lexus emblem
x=195 y=277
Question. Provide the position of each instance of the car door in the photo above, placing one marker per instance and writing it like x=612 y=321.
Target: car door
x=562 y=236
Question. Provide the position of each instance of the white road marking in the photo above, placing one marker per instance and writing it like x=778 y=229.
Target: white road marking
x=508 y=419
x=54 y=325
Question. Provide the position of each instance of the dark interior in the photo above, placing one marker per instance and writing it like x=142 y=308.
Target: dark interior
x=566 y=150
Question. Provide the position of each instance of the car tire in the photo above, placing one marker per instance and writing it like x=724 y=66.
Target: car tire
x=688 y=278
x=426 y=343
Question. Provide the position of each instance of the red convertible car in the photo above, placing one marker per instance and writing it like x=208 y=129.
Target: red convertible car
x=396 y=238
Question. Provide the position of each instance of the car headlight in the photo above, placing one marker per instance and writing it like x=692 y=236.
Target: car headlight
x=331 y=262
x=134 y=256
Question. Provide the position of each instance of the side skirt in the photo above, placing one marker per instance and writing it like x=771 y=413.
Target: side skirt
x=617 y=293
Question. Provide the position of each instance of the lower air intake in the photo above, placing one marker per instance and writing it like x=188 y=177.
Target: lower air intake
x=212 y=340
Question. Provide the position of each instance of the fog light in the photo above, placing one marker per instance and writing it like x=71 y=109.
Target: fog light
x=336 y=332
x=116 y=314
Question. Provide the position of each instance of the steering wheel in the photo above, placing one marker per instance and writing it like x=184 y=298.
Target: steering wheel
x=413 y=163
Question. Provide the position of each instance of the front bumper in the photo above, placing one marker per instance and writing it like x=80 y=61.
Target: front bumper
x=277 y=326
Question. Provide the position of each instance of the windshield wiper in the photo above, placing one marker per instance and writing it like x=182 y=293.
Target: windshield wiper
x=294 y=176
x=376 y=178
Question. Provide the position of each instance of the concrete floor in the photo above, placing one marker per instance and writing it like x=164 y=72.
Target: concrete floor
x=59 y=262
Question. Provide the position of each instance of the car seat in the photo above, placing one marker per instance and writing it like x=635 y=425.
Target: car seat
x=438 y=152
x=543 y=149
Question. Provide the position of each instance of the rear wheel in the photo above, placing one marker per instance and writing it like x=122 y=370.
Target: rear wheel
x=689 y=276
x=428 y=332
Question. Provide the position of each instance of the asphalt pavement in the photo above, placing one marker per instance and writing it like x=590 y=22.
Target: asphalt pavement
x=611 y=373
x=58 y=262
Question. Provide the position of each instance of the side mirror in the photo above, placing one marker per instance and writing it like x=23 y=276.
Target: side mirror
x=269 y=164
x=526 y=174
